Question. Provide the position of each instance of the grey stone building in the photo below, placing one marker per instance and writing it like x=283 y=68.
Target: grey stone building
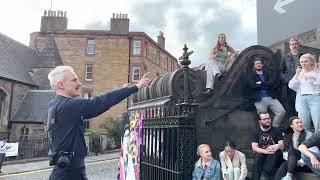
x=309 y=40
x=24 y=93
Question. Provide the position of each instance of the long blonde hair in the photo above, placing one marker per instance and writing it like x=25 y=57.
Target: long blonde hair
x=218 y=46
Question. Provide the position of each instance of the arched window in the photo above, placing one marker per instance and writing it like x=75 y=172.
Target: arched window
x=24 y=133
x=3 y=95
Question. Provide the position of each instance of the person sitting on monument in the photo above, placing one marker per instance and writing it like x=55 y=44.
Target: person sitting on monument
x=233 y=163
x=217 y=61
x=206 y=168
x=295 y=135
x=310 y=153
x=306 y=82
x=267 y=144
x=263 y=86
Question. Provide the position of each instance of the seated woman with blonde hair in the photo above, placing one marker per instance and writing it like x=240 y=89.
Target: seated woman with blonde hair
x=220 y=60
x=206 y=168
x=233 y=163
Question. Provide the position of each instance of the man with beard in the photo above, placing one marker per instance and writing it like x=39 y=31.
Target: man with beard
x=263 y=86
x=267 y=144
x=288 y=66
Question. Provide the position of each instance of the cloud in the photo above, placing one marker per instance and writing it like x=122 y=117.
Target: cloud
x=98 y=25
x=196 y=23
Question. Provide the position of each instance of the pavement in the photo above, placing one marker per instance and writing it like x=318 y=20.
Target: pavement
x=22 y=166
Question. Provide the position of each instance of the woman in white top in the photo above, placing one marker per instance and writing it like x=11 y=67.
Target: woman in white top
x=233 y=163
x=306 y=82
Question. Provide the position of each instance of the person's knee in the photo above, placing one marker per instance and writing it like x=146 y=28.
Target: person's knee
x=305 y=158
x=257 y=161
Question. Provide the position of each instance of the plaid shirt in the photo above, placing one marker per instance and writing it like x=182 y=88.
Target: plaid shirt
x=211 y=171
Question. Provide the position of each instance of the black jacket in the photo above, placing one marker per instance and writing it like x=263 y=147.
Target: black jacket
x=271 y=84
x=68 y=130
x=288 y=67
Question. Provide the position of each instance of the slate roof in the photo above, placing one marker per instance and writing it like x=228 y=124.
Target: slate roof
x=17 y=60
x=34 y=107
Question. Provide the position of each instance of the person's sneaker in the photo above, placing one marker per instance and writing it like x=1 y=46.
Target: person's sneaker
x=286 y=178
x=208 y=91
x=218 y=76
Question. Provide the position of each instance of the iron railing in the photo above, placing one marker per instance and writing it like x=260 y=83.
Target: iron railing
x=31 y=148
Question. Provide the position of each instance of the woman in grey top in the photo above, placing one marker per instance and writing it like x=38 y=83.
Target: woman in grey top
x=295 y=135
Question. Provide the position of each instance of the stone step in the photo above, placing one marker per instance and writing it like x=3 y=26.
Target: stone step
x=306 y=176
x=298 y=176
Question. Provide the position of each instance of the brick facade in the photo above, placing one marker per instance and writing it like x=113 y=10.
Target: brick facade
x=113 y=59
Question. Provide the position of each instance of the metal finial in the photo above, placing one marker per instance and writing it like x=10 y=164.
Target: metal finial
x=184 y=59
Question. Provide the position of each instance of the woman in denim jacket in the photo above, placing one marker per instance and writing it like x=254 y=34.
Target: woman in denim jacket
x=206 y=168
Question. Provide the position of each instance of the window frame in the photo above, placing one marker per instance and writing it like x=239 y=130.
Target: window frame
x=90 y=46
x=89 y=93
x=134 y=74
x=136 y=49
x=86 y=72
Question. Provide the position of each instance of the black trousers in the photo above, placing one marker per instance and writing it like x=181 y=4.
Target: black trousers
x=68 y=174
x=266 y=164
x=292 y=101
x=291 y=165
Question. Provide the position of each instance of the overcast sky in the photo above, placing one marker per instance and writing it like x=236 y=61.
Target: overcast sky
x=194 y=22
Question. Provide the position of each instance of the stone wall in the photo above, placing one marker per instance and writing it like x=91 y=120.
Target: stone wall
x=18 y=91
x=36 y=131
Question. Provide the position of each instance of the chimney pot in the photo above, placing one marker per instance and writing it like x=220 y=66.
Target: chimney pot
x=161 y=40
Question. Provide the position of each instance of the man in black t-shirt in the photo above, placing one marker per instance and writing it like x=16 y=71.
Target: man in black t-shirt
x=267 y=143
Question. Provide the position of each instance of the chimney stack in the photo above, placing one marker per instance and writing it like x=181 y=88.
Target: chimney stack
x=53 y=21
x=119 y=23
x=161 y=40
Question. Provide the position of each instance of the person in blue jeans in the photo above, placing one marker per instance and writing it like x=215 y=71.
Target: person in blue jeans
x=206 y=168
x=310 y=152
x=306 y=82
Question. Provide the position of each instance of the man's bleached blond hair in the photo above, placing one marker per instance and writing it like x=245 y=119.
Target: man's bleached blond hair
x=57 y=75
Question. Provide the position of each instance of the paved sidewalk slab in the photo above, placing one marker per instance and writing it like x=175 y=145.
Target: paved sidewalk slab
x=44 y=164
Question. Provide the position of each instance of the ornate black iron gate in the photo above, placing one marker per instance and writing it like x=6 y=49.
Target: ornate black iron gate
x=168 y=149
x=169 y=143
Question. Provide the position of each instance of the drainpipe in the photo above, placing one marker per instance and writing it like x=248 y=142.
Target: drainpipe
x=129 y=64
